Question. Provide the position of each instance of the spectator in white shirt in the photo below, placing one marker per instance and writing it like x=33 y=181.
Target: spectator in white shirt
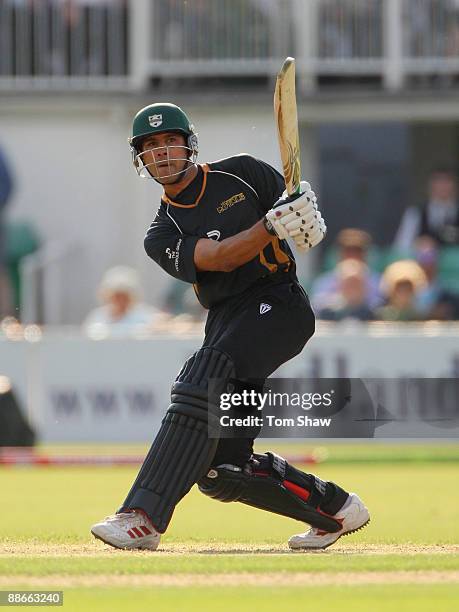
x=122 y=311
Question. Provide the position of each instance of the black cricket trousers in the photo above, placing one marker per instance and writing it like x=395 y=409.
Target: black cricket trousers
x=260 y=330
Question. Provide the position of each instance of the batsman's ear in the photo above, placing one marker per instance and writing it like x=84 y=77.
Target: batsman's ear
x=134 y=154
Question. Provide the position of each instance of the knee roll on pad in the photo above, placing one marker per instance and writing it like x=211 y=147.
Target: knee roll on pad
x=225 y=483
x=182 y=451
x=206 y=363
x=268 y=482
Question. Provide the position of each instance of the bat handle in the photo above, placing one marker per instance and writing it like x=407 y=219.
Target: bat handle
x=293 y=196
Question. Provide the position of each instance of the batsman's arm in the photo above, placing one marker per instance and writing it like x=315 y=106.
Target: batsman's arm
x=171 y=249
x=232 y=252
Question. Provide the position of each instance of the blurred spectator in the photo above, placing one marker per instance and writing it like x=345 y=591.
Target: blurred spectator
x=349 y=29
x=121 y=312
x=214 y=29
x=351 y=300
x=438 y=218
x=335 y=39
x=401 y=283
x=352 y=244
x=80 y=51
x=421 y=36
x=452 y=32
x=6 y=187
x=434 y=301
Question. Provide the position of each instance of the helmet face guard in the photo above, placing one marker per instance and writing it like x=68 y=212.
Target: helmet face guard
x=148 y=166
x=157 y=119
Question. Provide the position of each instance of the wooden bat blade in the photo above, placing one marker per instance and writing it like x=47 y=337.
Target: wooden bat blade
x=286 y=115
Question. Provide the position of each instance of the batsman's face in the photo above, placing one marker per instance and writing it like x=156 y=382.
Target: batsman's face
x=165 y=156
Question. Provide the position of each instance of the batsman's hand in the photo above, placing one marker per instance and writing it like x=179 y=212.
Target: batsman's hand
x=298 y=218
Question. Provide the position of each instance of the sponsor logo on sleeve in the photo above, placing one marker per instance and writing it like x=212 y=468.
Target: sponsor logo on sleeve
x=174 y=254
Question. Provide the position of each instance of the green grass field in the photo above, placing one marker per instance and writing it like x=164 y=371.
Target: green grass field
x=228 y=556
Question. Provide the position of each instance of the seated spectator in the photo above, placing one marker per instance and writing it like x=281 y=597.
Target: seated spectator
x=352 y=244
x=121 y=311
x=351 y=301
x=438 y=218
x=435 y=301
x=401 y=283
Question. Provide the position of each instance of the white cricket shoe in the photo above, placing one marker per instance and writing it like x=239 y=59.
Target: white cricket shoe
x=352 y=516
x=129 y=530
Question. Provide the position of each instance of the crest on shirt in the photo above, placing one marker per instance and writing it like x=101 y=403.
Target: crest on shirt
x=214 y=234
x=155 y=120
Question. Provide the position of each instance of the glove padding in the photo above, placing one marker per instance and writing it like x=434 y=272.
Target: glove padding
x=298 y=218
x=309 y=236
x=287 y=209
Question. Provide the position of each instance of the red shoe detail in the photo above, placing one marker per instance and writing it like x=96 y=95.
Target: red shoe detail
x=137 y=532
x=320 y=532
x=131 y=534
x=145 y=530
x=145 y=516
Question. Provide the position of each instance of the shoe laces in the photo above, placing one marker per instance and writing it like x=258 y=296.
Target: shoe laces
x=129 y=519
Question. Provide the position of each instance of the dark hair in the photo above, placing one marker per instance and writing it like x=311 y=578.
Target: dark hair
x=353 y=238
x=443 y=170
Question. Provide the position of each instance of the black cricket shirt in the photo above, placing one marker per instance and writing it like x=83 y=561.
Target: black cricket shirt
x=225 y=198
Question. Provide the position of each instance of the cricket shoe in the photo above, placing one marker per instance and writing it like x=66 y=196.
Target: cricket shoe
x=352 y=516
x=128 y=530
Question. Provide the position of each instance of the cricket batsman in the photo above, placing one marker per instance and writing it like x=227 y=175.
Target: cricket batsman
x=223 y=226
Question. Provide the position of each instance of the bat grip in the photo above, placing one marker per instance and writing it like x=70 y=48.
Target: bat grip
x=290 y=198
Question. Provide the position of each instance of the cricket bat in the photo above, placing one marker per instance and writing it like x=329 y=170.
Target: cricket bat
x=287 y=126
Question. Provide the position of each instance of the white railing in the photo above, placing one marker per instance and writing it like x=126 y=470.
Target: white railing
x=52 y=282
x=390 y=39
x=431 y=43
x=231 y=36
x=350 y=30
x=115 y=44
x=48 y=44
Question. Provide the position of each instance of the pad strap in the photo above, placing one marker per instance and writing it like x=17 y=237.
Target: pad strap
x=268 y=482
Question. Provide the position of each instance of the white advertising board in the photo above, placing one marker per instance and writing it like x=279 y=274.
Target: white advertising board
x=77 y=389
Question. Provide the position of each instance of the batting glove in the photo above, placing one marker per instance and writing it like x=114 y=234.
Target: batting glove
x=311 y=234
x=287 y=213
x=308 y=227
